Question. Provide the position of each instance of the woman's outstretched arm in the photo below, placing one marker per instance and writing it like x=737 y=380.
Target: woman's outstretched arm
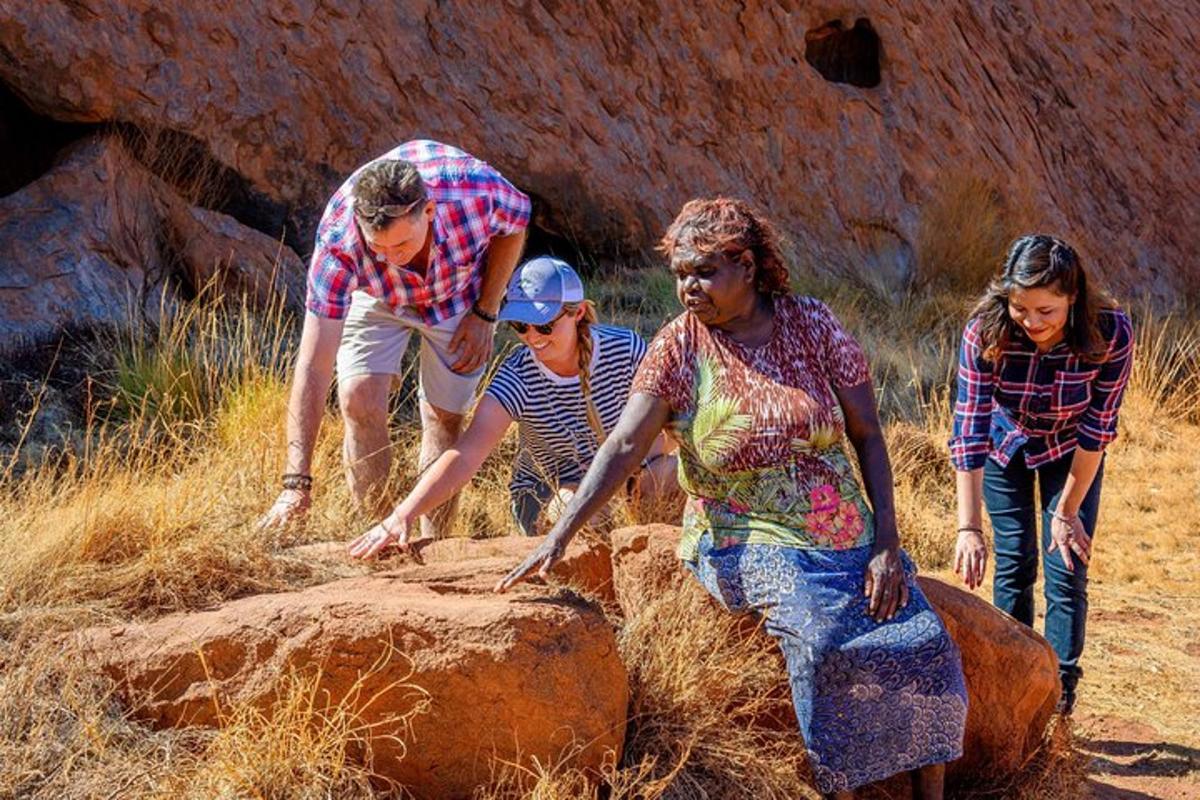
x=443 y=478
x=641 y=421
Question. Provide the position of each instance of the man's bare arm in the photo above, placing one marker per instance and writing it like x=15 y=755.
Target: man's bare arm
x=319 y=340
x=472 y=341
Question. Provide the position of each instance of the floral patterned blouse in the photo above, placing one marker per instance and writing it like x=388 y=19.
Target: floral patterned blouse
x=760 y=430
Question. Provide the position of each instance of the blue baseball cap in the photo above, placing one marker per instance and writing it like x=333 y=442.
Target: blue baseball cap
x=538 y=290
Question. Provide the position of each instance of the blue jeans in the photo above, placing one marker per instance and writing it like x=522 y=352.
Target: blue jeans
x=527 y=504
x=1009 y=493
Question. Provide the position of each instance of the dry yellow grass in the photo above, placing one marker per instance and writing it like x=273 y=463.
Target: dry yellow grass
x=157 y=515
x=965 y=228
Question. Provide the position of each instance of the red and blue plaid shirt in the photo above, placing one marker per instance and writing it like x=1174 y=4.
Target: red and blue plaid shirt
x=473 y=203
x=1049 y=403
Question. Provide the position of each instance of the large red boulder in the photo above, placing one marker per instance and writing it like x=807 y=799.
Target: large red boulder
x=520 y=678
x=1011 y=671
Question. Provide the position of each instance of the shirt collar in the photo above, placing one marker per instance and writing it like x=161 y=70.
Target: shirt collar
x=1024 y=343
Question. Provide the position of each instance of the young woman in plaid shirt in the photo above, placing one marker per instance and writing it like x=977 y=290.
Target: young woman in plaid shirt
x=1044 y=361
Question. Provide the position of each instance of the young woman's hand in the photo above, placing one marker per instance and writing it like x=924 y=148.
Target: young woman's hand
x=885 y=584
x=391 y=531
x=970 y=558
x=1068 y=536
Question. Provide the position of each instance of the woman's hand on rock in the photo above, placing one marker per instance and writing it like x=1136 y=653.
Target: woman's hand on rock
x=391 y=531
x=885 y=587
x=970 y=557
x=542 y=559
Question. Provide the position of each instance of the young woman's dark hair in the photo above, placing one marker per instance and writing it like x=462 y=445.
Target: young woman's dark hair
x=1039 y=261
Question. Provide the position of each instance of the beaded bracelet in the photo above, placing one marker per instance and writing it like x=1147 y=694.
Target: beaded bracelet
x=297 y=481
x=483 y=315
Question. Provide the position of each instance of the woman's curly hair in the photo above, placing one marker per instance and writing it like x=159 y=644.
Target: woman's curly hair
x=729 y=226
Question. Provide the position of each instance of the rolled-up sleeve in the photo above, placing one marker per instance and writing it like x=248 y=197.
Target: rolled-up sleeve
x=1098 y=427
x=970 y=442
x=510 y=208
x=332 y=272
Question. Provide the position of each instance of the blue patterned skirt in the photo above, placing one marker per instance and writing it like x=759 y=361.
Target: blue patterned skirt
x=873 y=699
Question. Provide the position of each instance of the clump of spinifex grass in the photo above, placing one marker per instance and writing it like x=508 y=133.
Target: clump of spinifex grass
x=302 y=744
x=701 y=691
x=62 y=733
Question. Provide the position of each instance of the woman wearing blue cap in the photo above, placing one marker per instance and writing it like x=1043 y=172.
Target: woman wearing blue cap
x=565 y=389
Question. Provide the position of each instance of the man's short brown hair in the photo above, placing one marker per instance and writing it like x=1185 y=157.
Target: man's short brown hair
x=387 y=190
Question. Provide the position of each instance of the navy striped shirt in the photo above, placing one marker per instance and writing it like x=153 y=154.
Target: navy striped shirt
x=556 y=443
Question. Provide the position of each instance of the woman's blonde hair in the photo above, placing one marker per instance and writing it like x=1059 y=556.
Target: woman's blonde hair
x=583 y=330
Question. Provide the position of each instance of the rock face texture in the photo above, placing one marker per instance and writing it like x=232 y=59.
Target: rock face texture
x=99 y=237
x=1084 y=113
x=476 y=564
x=517 y=677
x=1011 y=672
x=79 y=245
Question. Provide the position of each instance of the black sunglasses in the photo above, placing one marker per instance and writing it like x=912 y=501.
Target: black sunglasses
x=545 y=329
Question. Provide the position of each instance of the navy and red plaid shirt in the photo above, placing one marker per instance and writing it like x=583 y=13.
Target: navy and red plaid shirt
x=1049 y=403
x=473 y=203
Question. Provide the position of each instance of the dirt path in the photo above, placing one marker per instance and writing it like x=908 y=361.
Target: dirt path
x=1131 y=760
x=1138 y=714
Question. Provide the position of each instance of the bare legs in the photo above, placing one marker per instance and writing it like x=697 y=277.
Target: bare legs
x=366 y=446
x=927 y=784
x=367 y=450
x=439 y=432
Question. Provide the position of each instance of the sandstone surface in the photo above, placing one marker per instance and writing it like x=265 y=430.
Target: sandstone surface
x=1011 y=672
x=99 y=239
x=516 y=677
x=1083 y=113
x=475 y=564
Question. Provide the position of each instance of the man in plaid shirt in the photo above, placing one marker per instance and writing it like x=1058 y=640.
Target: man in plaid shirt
x=423 y=239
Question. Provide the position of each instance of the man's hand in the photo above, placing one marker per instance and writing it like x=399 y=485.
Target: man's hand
x=290 y=508
x=471 y=343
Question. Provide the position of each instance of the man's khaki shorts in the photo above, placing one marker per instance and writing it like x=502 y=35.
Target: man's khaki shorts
x=374 y=340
